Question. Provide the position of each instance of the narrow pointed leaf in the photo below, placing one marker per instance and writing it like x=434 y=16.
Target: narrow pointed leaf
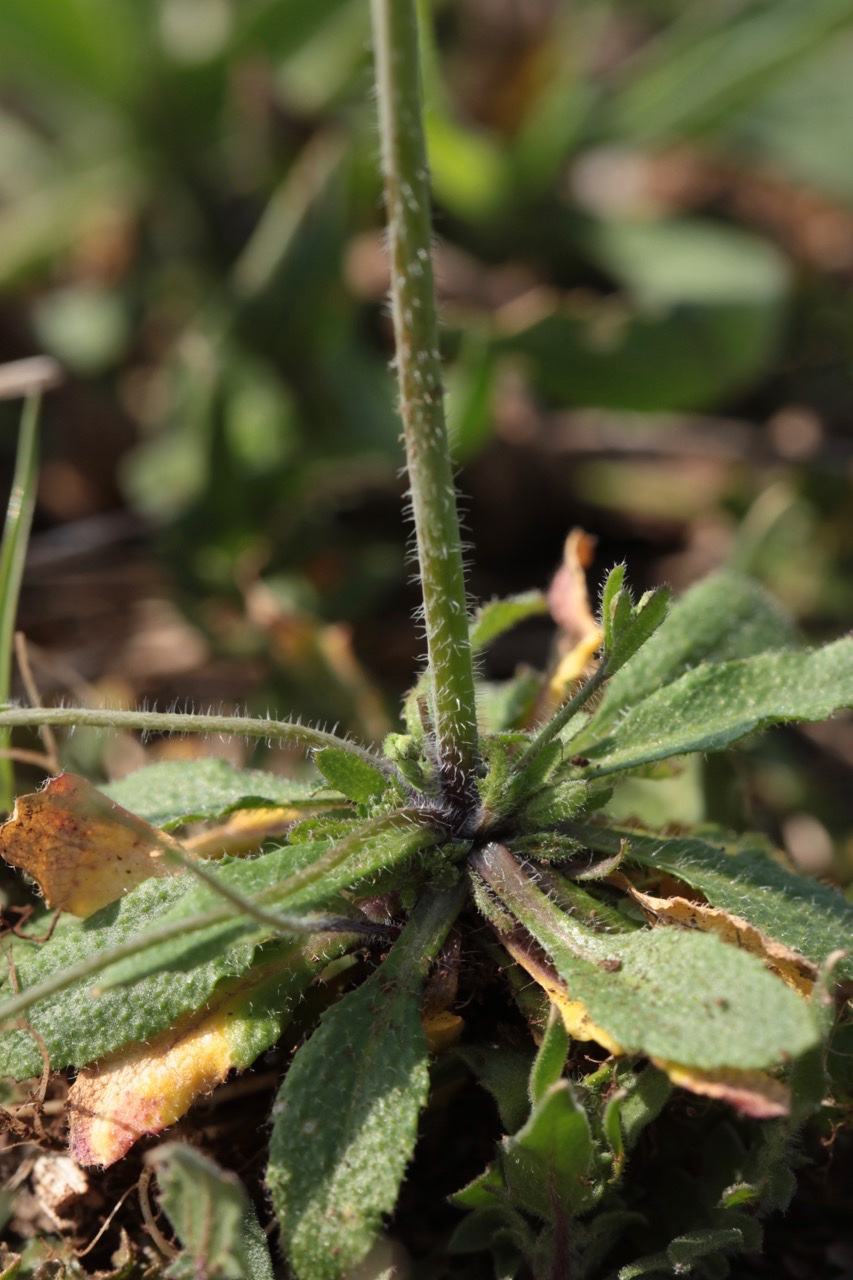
x=713 y=706
x=725 y=617
x=345 y=1121
x=644 y=622
x=615 y=606
x=810 y=918
x=550 y=1059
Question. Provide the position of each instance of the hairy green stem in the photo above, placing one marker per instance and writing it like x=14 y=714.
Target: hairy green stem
x=407 y=200
x=275 y=920
x=284 y=731
x=549 y=731
x=431 y=920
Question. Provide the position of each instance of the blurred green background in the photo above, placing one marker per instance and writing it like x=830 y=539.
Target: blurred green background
x=644 y=245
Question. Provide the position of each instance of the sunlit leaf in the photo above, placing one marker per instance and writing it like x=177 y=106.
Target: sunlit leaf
x=144 y=1088
x=724 y=617
x=798 y=972
x=706 y=709
x=714 y=1006
x=83 y=849
x=551 y=1057
x=350 y=775
x=173 y=792
x=87 y=1020
x=809 y=918
x=345 y=1121
x=302 y=877
x=547 y=1164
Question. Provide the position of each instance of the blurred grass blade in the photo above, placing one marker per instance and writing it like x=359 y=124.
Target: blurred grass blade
x=715 y=61
x=29 y=378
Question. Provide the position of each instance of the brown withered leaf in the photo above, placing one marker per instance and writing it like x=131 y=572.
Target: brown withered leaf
x=82 y=849
x=753 y=1093
x=793 y=968
x=568 y=600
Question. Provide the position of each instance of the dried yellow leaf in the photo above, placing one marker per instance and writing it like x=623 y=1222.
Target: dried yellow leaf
x=754 y=1093
x=82 y=849
x=143 y=1088
x=793 y=968
x=568 y=599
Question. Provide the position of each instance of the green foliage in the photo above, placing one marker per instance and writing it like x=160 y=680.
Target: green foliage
x=742 y=877
x=714 y=1006
x=366 y=1069
x=717 y=704
x=468 y=844
x=181 y=791
x=211 y=1213
x=353 y=777
x=725 y=617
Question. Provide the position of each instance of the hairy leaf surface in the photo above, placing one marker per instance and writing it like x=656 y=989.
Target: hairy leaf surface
x=725 y=617
x=673 y=995
x=346 y=1117
x=144 y=1088
x=706 y=709
x=803 y=914
x=547 y=1164
x=88 y=1019
x=172 y=792
x=298 y=878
